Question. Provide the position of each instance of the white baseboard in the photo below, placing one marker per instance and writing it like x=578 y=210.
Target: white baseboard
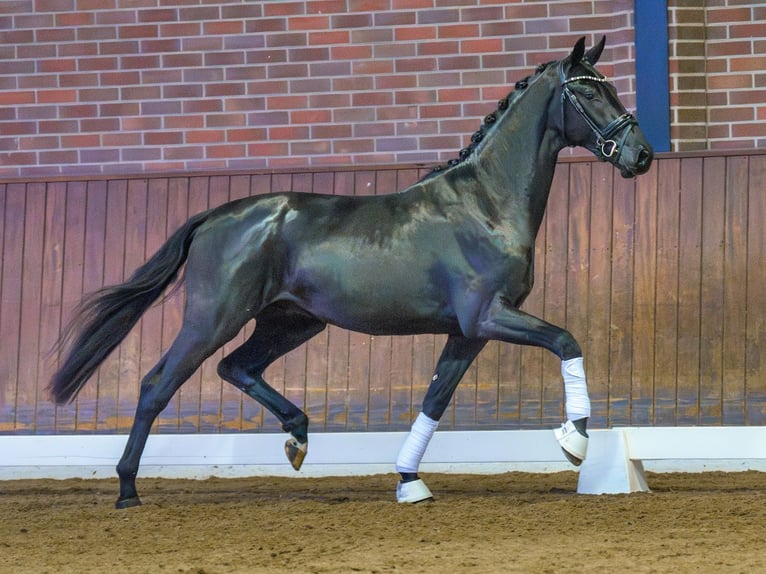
x=688 y=449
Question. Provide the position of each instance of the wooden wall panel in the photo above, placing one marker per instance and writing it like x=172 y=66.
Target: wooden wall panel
x=660 y=279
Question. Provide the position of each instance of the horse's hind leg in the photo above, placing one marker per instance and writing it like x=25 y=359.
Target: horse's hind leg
x=277 y=331
x=190 y=348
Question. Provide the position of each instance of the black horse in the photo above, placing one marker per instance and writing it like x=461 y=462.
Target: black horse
x=451 y=254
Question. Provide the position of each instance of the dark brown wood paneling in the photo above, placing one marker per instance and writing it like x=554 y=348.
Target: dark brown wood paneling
x=660 y=279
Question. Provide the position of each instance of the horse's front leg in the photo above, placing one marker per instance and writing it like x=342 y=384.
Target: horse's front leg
x=455 y=359
x=509 y=324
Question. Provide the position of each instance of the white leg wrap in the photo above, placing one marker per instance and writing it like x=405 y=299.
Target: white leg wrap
x=575 y=389
x=415 y=445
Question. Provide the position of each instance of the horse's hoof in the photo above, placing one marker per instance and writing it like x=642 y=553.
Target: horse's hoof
x=413 y=492
x=296 y=452
x=573 y=443
x=127 y=503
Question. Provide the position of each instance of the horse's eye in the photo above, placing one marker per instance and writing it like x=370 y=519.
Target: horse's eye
x=589 y=95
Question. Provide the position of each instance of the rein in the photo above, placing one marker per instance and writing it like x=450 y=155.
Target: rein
x=607 y=147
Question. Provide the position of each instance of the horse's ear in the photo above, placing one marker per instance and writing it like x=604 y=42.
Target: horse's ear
x=595 y=52
x=577 y=52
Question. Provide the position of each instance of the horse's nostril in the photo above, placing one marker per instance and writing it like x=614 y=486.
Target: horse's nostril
x=644 y=158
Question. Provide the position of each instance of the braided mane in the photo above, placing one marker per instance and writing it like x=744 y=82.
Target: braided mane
x=502 y=107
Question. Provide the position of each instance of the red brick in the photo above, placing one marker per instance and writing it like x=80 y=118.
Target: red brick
x=417 y=33
x=55 y=96
x=184 y=122
x=54 y=5
x=119 y=48
x=416 y=65
x=308 y=22
x=163 y=138
x=242 y=11
x=246 y=134
x=120 y=139
x=268 y=148
x=57 y=157
x=285 y=102
x=351 y=52
x=223 y=27
x=310 y=85
x=180 y=29
x=310 y=116
x=481 y=46
x=351 y=20
x=330 y=37
x=141 y=31
x=288 y=39
x=729 y=82
x=352 y=83
x=283 y=8
x=204 y=136
x=372 y=35
x=38 y=142
x=157 y=15
x=16 y=98
x=200 y=13
x=288 y=132
x=368 y=5
x=436 y=48
x=754 y=64
x=80 y=140
x=183 y=152
x=416 y=97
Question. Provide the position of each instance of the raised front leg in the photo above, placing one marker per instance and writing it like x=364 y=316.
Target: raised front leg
x=455 y=359
x=509 y=324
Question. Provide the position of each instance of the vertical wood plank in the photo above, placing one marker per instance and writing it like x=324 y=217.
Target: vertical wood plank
x=111 y=419
x=735 y=291
x=621 y=301
x=666 y=320
x=599 y=293
x=10 y=299
x=74 y=250
x=689 y=279
x=712 y=290
x=89 y=415
x=755 y=336
x=130 y=350
x=31 y=383
x=151 y=322
x=644 y=295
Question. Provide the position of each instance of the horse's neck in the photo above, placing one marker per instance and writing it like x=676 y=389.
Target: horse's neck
x=515 y=166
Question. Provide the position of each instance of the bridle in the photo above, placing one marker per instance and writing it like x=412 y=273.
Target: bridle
x=607 y=146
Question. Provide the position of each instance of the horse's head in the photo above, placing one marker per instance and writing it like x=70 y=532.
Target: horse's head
x=592 y=116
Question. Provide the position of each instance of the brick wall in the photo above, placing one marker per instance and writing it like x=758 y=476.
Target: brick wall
x=717 y=74
x=117 y=86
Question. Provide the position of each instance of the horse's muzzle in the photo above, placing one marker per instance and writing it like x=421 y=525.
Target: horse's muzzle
x=643 y=161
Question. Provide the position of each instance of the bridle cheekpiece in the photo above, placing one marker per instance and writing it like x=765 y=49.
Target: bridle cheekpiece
x=607 y=146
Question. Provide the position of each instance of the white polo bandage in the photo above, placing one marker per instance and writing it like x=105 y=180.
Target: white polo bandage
x=575 y=389
x=415 y=445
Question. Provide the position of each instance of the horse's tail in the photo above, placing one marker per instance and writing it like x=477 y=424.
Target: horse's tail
x=104 y=318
